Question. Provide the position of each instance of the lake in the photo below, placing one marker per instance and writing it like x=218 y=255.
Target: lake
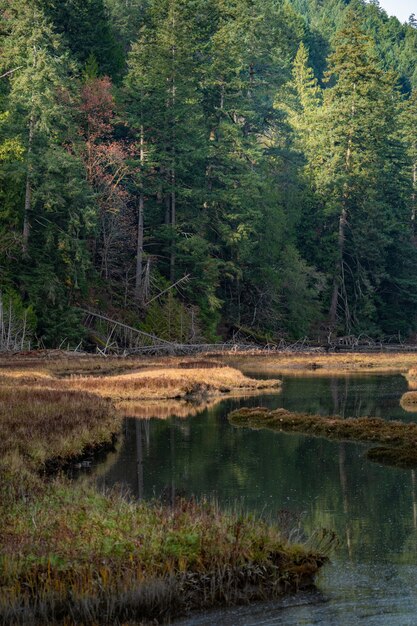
x=303 y=483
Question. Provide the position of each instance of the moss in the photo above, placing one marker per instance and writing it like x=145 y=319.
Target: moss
x=399 y=438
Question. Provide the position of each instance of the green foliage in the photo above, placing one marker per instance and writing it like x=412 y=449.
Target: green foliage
x=87 y=32
x=264 y=150
x=170 y=320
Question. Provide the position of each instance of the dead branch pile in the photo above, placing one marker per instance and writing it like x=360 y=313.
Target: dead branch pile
x=14 y=332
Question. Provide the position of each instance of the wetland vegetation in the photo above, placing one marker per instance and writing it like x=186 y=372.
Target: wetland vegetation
x=71 y=554
x=398 y=439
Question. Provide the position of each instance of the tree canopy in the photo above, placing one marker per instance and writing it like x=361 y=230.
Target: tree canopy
x=201 y=168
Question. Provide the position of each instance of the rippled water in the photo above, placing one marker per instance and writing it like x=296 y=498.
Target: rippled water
x=373 y=509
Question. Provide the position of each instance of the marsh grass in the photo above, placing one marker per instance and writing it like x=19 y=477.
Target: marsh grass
x=163 y=379
x=169 y=383
x=70 y=555
x=399 y=439
x=39 y=424
x=100 y=558
x=322 y=364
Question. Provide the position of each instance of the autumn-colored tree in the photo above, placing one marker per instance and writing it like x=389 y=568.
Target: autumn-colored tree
x=106 y=162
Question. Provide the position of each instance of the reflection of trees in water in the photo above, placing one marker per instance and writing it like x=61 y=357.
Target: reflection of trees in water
x=345 y=496
x=347 y=396
x=139 y=458
x=333 y=484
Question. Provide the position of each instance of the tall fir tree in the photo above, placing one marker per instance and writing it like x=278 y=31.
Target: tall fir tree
x=49 y=205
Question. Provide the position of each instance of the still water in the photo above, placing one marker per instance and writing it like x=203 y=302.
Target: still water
x=307 y=481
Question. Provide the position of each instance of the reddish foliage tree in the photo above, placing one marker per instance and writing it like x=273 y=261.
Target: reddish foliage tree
x=106 y=161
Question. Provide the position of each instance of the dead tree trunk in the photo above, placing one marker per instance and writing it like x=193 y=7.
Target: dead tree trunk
x=28 y=192
x=140 y=234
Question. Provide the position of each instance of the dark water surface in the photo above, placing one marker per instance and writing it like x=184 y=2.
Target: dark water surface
x=373 y=509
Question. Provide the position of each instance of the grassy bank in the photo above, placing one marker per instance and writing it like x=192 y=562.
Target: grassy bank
x=91 y=558
x=165 y=384
x=70 y=555
x=322 y=364
x=39 y=426
x=398 y=439
x=150 y=380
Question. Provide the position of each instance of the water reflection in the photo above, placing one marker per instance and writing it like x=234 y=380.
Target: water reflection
x=372 y=508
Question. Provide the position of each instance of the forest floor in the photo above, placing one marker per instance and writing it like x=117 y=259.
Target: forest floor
x=71 y=555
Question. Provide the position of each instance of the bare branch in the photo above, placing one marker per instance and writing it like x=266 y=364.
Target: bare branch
x=11 y=71
x=184 y=279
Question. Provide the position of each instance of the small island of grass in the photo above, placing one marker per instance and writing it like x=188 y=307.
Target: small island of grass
x=398 y=440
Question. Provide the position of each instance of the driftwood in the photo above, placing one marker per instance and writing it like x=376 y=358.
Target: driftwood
x=119 y=338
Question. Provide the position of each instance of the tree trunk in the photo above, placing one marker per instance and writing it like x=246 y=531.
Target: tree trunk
x=414 y=198
x=337 y=283
x=139 y=246
x=28 y=193
x=139 y=250
x=173 y=224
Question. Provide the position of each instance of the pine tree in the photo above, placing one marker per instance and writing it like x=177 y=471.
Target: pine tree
x=358 y=172
x=86 y=29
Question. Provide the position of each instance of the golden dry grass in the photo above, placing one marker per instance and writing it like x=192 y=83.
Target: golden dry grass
x=322 y=364
x=168 y=383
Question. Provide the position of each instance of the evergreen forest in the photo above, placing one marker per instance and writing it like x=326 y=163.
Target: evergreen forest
x=201 y=168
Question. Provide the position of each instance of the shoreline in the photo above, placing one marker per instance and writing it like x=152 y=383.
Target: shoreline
x=397 y=441
x=69 y=553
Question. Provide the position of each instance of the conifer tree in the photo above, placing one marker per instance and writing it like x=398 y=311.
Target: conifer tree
x=409 y=117
x=50 y=203
x=358 y=172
